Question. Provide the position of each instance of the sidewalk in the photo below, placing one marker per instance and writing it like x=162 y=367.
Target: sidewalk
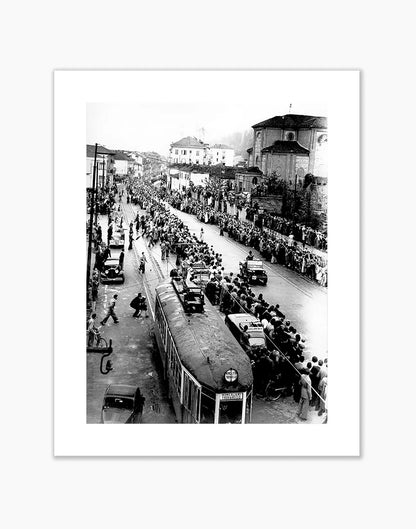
x=135 y=358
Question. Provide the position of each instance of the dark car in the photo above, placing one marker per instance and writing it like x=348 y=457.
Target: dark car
x=112 y=272
x=123 y=404
x=236 y=324
x=253 y=272
x=199 y=273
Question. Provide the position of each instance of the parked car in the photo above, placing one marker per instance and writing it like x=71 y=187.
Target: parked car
x=236 y=324
x=112 y=271
x=253 y=272
x=122 y=404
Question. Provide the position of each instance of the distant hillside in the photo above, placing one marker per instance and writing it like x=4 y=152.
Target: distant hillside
x=239 y=141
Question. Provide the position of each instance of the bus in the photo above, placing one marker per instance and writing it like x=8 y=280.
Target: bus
x=209 y=376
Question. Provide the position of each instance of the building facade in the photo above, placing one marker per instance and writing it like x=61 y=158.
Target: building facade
x=290 y=147
x=192 y=151
x=105 y=166
x=189 y=150
x=220 y=154
x=181 y=176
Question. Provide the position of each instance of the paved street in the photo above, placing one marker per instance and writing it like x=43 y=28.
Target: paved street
x=140 y=360
x=135 y=357
x=301 y=300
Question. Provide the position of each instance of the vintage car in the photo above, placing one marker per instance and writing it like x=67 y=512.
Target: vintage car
x=253 y=272
x=236 y=324
x=122 y=404
x=199 y=273
x=118 y=238
x=112 y=272
x=190 y=294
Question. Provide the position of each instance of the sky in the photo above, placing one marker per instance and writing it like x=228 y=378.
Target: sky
x=155 y=125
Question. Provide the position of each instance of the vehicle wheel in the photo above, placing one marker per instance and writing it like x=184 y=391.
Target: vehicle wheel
x=102 y=342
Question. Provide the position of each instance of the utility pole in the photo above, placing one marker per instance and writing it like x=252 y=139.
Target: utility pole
x=103 y=182
x=91 y=218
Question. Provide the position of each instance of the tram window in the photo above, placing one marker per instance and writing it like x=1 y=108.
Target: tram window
x=207 y=409
x=231 y=412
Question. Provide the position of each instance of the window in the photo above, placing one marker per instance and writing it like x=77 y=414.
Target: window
x=184 y=151
x=175 y=368
x=176 y=151
x=191 y=396
x=197 y=153
x=160 y=318
x=290 y=136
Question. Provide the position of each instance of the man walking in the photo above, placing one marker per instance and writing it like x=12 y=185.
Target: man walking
x=109 y=233
x=121 y=259
x=111 y=311
x=143 y=262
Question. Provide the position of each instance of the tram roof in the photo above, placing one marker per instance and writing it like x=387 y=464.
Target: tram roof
x=201 y=336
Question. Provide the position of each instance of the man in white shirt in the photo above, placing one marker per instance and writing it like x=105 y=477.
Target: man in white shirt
x=92 y=329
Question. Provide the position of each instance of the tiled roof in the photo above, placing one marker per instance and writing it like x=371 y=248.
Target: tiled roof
x=213 y=170
x=288 y=147
x=220 y=146
x=249 y=170
x=100 y=150
x=189 y=141
x=122 y=156
x=293 y=121
x=190 y=168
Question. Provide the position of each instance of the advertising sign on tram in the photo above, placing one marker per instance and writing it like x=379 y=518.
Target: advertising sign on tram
x=231 y=396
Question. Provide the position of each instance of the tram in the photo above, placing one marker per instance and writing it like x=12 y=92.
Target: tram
x=209 y=376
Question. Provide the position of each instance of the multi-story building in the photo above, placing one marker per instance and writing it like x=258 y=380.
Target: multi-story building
x=189 y=150
x=220 y=154
x=123 y=164
x=105 y=165
x=192 y=151
x=290 y=147
x=136 y=166
x=181 y=176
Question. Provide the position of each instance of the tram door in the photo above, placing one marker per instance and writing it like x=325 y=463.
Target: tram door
x=230 y=408
x=191 y=399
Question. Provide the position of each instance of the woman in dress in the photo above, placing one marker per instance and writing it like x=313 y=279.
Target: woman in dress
x=305 y=394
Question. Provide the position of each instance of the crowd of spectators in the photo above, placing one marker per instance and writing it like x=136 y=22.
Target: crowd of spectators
x=274 y=247
x=282 y=362
x=224 y=191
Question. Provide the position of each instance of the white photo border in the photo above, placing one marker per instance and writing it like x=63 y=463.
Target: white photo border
x=340 y=90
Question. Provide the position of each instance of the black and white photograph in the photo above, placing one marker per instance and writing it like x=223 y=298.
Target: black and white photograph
x=208 y=261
